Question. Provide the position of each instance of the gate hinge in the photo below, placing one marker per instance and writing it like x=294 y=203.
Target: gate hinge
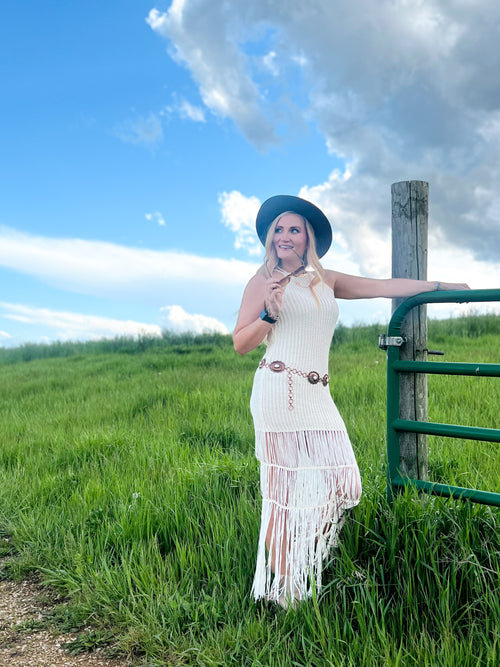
x=390 y=341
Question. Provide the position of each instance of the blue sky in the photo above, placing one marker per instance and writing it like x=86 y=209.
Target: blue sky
x=139 y=138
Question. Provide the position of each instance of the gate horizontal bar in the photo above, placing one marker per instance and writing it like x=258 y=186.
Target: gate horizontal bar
x=447 y=368
x=447 y=491
x=444 y=296
x=448 y=430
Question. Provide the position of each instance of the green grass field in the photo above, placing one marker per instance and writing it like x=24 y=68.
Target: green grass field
x=128 y=482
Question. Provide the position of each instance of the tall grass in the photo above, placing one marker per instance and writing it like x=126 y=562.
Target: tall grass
x=124 y=344
x=128 y=482
x=440 y=331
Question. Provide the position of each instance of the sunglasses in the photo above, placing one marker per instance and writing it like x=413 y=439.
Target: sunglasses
x=298 y=272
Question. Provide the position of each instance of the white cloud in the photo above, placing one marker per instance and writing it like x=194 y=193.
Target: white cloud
x=157 y=216
x=202 y=42
x=194 y=113
x=361 y=250
x=239 y=213
x=4 y=334
x=363 y=242
x=75 y=326
x=108 y=269
x=184 y=109
x=147 y=131
x=269 y=61
x=175 y=318
x=400 y=90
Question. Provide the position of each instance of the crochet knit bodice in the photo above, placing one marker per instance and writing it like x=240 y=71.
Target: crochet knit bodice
x=301 y=340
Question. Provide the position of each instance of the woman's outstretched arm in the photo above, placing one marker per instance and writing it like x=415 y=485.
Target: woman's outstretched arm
x=356 y=287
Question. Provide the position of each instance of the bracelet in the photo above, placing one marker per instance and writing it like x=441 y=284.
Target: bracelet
x=437 y=287
x=267 y=317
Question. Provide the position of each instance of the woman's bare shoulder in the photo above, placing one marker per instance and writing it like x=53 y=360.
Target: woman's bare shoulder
x=330 y=278
x=257 y=280
x=262 y=276
x=256 y=285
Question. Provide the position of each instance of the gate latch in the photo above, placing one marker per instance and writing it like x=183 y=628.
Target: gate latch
x=390 y=341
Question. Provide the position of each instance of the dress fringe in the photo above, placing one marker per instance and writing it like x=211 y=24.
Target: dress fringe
x=308 y=479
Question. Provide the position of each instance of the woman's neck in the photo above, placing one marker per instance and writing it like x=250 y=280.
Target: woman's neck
x=290 y=265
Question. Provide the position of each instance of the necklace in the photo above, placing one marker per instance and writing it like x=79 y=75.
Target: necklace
x=302 y=279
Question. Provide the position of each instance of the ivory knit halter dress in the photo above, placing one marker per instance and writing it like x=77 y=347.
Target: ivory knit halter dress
x=308 y=471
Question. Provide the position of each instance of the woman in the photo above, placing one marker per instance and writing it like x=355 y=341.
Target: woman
x=309 y=475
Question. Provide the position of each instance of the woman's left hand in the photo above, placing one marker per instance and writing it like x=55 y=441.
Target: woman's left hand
x=451 y=286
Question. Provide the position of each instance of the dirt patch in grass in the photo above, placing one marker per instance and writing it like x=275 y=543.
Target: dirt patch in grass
x=26 y=636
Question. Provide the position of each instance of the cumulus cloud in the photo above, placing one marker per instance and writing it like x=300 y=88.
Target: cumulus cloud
x=75 y=326
x=201 y=41
x=399 y=90
x=175 y=318
x=239 y=213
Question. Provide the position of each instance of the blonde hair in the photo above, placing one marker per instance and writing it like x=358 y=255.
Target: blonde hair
x=311 y=259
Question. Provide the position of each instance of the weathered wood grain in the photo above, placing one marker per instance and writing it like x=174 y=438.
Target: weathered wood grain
x=410 y=210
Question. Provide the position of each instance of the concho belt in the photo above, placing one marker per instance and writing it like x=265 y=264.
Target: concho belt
x=279 y=366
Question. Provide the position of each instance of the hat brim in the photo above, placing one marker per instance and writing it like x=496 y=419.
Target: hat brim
x=278 y=204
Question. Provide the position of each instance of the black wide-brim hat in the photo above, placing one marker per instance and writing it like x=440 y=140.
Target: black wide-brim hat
x=274 y=206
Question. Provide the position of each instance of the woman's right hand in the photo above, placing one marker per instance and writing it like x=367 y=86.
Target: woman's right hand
x=273 y=297
x=250 y=329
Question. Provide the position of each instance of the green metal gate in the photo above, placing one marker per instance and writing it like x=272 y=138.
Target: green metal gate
x=396 y=425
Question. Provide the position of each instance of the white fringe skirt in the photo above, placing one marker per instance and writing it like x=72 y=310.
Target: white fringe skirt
x=308 y=479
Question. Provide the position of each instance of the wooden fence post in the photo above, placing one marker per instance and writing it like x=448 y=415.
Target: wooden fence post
x=410 y=210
